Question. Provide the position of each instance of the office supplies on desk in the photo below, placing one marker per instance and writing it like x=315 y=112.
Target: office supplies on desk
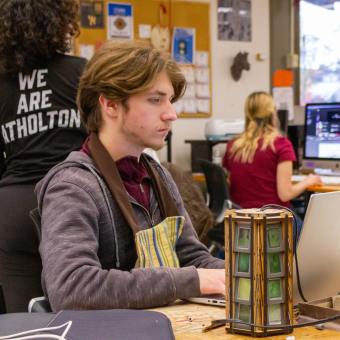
x=216 y=129
x=318 y=248
x=328 y=180
x=322 y=137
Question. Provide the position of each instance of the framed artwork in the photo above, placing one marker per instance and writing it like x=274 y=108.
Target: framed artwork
x=234 y=20
x=92 y=14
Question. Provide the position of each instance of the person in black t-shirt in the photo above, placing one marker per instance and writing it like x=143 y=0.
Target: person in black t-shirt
x=40 y=125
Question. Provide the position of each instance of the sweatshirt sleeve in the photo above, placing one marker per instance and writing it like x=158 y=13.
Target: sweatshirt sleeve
x=73 y=277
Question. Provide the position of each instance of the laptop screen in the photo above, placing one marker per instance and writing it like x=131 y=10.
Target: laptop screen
x=322 y=131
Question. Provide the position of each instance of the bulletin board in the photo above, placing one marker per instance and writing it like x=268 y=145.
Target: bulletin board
x=182 y=14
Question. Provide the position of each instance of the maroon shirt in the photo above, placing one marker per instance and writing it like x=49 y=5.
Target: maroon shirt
x=253 y=185
x=134 y=176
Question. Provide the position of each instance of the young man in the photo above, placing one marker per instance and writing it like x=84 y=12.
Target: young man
x=94 y=203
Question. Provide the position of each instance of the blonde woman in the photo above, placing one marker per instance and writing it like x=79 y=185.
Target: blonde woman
x=260 y=160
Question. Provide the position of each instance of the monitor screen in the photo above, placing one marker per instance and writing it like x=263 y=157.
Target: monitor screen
x=322 y=131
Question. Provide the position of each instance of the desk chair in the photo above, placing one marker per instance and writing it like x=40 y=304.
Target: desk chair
x=218 y=199
x=39 y=304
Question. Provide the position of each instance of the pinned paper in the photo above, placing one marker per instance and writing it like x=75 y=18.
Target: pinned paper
x=189 y=74
x=119 y=21
x=202 y=91
x=178 y=107
x=86 y=51
x=144 y=31
x=202 y=76
x=189 y=106
x=283 y=78
x=183 y=45
x=203 y=105
x=99 y=44
x=283 y=97
x=202 y=59
x=190 y=92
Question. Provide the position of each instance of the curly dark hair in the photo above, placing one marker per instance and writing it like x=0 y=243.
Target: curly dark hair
x=30 y=29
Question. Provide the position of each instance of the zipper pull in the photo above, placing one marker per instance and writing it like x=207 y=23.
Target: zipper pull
x=141 y=188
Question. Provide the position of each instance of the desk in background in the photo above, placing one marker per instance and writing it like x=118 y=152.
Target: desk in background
x=203 y=149
x=199 y=177
x=179 y=312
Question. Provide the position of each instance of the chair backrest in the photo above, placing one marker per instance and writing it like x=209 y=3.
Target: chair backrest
x=39 y=304
x=194 y=203
x=35 y=216
x=217 y=187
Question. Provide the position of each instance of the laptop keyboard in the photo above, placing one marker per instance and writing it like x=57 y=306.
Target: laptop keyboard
x=328 y=180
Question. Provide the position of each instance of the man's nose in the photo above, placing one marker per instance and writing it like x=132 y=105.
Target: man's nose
x=169 y=113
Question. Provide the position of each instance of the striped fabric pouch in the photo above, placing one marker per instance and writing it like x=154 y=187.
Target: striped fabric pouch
x=156 y=247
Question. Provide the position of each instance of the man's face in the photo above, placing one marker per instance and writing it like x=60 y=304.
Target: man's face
x=148 y=119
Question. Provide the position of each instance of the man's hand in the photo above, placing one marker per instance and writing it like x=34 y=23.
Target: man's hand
x=211 y=280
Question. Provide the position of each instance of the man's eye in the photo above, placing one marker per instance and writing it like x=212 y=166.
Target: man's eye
x=154 y=100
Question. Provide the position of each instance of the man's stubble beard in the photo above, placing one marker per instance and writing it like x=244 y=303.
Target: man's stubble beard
x=139 y=140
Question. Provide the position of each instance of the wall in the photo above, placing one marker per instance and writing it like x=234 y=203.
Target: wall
x=280 y=26
x=228 y=95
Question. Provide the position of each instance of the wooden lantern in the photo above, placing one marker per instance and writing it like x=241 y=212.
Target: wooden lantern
x=259 y=270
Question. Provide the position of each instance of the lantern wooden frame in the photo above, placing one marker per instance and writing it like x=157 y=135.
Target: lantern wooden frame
x=269 y=278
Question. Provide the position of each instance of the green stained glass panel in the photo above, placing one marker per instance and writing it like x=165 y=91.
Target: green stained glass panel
x=274 y=312
x=274 y=263
x=243 y=262
x=274 y=289
x=243 y=238
x=274 y=237
x=243 y=289
x=244 y=314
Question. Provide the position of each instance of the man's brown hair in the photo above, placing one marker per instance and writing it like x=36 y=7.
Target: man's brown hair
x=120 y=69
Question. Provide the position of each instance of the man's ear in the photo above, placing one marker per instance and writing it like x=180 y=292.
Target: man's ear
x=110 y=107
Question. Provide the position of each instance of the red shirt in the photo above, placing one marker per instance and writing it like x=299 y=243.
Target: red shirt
x=253 y=185
x=134 y=176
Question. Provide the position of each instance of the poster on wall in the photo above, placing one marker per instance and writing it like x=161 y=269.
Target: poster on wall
x=92 y=14
x=119 y=21
x=184 y=45
x=234 y=20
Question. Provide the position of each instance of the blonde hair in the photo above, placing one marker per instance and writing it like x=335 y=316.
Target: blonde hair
x=261 y=122
x=120 y=69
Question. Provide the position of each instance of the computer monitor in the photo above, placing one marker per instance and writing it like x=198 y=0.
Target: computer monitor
x=322 y=137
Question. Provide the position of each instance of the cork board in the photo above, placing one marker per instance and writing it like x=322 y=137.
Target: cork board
x=182 y=14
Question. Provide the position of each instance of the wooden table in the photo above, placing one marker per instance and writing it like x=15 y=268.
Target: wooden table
x=199 y=177
x=325 y=188
x=179 y=312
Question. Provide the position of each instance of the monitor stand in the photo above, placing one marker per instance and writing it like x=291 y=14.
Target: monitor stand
x=326 y=172
x=321 y=167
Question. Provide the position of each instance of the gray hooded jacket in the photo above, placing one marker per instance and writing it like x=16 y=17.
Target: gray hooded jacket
x=88 y=251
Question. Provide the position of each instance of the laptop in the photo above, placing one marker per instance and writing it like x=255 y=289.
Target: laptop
x=318 y=249
x=209 y=299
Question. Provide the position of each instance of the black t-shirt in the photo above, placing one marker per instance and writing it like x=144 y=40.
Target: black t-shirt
x=39 y=119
